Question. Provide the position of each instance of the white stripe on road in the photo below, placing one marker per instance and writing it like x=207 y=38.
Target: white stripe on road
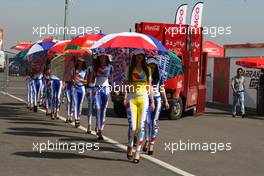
x=119 y=145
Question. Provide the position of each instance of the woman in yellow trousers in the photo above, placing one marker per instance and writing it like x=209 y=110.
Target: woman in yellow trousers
x=138 y=95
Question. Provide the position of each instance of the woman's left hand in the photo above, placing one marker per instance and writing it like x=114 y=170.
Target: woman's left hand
x=167 y=105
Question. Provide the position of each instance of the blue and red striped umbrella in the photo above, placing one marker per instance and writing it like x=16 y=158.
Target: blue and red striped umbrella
x=129 y=40
x=42 y=45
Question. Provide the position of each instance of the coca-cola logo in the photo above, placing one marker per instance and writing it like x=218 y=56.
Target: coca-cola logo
x=152 y=28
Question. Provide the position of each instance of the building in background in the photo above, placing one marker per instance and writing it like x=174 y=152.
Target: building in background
x=221 y=70
x=214 y=51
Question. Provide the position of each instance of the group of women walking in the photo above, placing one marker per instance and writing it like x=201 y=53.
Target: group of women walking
x=144 y=93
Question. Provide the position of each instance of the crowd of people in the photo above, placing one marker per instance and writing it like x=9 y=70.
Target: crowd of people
x=143 y=98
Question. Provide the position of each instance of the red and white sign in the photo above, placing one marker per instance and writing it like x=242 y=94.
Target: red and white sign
x=196 y=18
x=196 y=44
x=175 y=38
x=154 y=29
x=213 y=50
x=181 y=14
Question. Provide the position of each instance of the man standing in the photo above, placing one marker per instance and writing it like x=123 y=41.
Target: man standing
x=238 y=87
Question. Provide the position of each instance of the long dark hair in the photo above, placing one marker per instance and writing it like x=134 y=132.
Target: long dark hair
x=133 y=65
x=155 y=75
x=83 y=65
x=97 y=64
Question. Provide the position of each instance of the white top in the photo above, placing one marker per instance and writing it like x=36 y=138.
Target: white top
x=156 y=91
x=102 y=76
x=81 y=75
x=156 y=88
x=238 y=83
x=53 y=77
x=38 y=76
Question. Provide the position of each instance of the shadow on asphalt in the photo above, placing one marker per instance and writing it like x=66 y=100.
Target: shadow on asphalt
x=217 y=113
x=41 y=129
x=33 y=134
x=228 y=115
x=42 y=132
x=64 y=155
x=12 y=104
x=10 y=111
x=35 y=123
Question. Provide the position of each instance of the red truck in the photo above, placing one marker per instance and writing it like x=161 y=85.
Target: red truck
x=185 y=92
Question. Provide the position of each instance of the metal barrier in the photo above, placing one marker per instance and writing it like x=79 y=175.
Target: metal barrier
x=13 y=79
x=4 y=77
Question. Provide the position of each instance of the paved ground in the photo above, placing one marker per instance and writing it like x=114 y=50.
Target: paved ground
x=19 y=128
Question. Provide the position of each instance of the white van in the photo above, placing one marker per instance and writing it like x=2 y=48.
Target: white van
x=2 y=61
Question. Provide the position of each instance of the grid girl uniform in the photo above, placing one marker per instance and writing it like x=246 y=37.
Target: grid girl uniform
x=137 y=107
x=56 y=89
x=29 y=92
x=78 y=93
x=69 y=95
x=90 y=96
x=152 y=121
x=47 y=92
x=37 y=86
x=102 y=88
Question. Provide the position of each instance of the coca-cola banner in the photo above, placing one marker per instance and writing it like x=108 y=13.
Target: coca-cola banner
x=154 y=29
x=181 y=14
x=175 y=38
x=196 y=18
x=196 y=44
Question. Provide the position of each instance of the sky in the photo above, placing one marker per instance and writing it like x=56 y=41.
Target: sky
x=19 y=17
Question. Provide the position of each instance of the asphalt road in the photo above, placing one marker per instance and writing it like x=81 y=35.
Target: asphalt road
x=239 y=151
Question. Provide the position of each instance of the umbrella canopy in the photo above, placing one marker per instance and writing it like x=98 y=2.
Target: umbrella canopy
x=175 y=65
x=22 y=46
x=78 y=52
x=251 y=63
x=83 y=41
x=41 y=46
x=59 y=47
x=81 y=44
x=21 y=54
x=129 y=40
x=46 y=40
x=25 y=47
x=170 y=65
